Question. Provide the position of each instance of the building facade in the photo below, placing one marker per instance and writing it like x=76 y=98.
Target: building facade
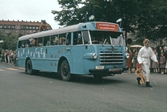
x=22 y=27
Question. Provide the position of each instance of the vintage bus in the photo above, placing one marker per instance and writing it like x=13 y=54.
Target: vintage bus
x=91 y=48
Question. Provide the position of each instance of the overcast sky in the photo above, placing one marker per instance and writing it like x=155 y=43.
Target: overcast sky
x=29 y=10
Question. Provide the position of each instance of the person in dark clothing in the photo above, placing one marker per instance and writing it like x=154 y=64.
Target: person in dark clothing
x=160 y=50
x=165 y=54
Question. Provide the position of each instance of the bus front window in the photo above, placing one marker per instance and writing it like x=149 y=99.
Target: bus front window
x=107 y=37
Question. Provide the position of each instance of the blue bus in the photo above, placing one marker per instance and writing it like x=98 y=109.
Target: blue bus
x=92 y=48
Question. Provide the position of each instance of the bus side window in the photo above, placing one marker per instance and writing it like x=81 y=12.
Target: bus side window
x=62 y=39
x=68 y=41
x=33 y=41
x=54 y=40
x=47 y=41
x=77 y=39
x=20 y=44
x=27 y=43
x=40 y=42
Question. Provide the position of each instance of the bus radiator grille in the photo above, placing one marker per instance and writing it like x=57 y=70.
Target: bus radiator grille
x=109 y=57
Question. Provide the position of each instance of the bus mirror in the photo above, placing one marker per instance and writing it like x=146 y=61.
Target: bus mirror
x=129 y=41
x=79 y=36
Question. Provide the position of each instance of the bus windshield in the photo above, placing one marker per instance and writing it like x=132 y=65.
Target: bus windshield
x=107 y=37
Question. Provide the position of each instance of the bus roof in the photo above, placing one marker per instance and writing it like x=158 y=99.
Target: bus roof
x=100 y=26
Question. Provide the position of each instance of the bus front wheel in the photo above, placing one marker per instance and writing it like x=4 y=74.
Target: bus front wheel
x=29 y=69
x=65 y=70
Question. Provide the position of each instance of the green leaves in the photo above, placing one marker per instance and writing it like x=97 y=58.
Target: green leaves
x=144 y=18
x=10 y=40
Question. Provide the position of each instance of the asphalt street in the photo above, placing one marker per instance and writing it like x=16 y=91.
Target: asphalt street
x=20 y=92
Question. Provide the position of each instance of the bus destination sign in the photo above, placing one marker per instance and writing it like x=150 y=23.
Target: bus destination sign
x=107 y=26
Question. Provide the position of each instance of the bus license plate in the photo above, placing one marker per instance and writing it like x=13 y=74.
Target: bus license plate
x=99 y=67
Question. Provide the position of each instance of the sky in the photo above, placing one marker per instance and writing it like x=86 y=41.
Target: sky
x=29 y=10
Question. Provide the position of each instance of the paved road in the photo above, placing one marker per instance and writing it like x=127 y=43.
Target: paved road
x=44 y=92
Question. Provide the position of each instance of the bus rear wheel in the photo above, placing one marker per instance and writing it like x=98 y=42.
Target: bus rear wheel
x=29 y=69
x=65 y=70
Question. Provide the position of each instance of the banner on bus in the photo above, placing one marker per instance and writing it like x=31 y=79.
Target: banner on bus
x=107 y=26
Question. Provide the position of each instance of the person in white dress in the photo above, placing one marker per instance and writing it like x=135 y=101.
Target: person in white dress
x=143 y=58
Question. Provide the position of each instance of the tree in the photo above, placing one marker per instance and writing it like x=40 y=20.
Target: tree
x=145 y=18
x=10 y=40
x=69 y=13
x=152 y=19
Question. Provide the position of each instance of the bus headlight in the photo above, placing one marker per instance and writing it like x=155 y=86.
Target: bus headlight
x=127 y=55
x=95 y=56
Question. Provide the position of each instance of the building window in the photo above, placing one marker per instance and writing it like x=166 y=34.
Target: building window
x=34 y=31
x=8 y=26
x=0 y=26
x=22 y=27
x=37 y=27
x=13 y=26
x=4 y=26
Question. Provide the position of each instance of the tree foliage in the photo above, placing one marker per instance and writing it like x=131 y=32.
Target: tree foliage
x=10 y=40
x=152 y=19
x=145 y=18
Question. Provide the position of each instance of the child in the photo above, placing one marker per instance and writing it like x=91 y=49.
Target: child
x=162 y=63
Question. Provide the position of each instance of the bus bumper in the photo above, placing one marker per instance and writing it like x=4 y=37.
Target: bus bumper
x=107 y=71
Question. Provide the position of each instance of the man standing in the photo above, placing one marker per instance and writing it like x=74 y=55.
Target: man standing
x=144 y=55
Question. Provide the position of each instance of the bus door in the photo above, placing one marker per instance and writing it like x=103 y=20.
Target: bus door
x=77 y=48
x=89 y=51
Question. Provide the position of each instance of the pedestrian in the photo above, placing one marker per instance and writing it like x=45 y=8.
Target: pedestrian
x=144 y=55
x=160 y=50
x=165 y=54
x=154 y=64
x=129 y=60
x=162 y=63
x=135 y=53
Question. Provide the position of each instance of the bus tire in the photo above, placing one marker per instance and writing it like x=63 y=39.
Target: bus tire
x=29 y=68
x=65 y=70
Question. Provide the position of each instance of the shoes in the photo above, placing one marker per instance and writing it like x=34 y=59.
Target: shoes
x=148 y=84
x=138 y=80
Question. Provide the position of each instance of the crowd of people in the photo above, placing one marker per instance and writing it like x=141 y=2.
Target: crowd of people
x=8 y=56
x=161 y=55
